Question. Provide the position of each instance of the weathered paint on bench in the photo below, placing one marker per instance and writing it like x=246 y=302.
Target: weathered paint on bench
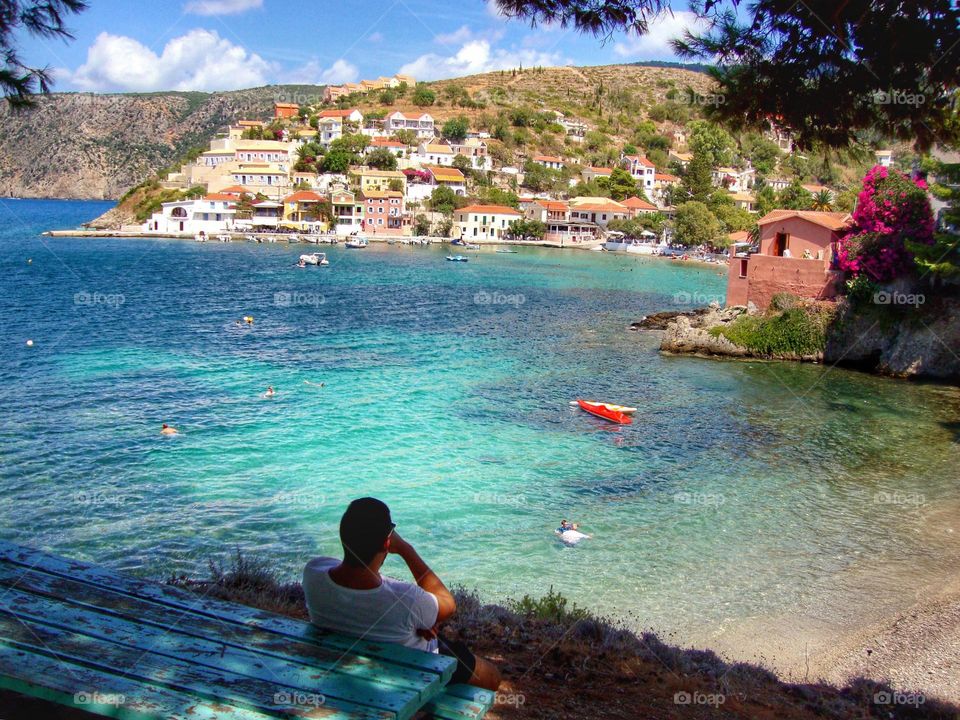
x=177 y=654
x=177 y=598
x=460 y=702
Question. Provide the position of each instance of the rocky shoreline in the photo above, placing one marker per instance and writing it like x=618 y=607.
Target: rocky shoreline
x=920 y=342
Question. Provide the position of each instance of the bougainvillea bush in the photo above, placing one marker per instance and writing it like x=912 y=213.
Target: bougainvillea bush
x=891 y=209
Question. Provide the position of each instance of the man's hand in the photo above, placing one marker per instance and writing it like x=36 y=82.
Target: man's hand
x=398 y=546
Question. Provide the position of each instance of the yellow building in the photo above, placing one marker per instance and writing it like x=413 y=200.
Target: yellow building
x=378 y=180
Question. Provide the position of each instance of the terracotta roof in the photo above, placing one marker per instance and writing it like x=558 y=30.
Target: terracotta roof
x=219 y=196
x=552 y=204
x=409 y=116
x=378 y=194
x=665 y=177
x=547 y=158
x=286 y=105
x=337 y=113
x=830 y=220
x=639 y=159
x=490 y=210
x=600 y=170
x=303 y=196
x=635 y=203
x=387 y=142
x=235 y=189
x=739 y=236
x=610 y=207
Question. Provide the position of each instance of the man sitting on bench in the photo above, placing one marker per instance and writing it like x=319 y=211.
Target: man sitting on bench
x=351 y=596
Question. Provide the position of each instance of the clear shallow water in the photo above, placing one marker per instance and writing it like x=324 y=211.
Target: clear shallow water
x=743 y=489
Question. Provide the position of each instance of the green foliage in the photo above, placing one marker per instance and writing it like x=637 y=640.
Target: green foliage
x=798 y=331
x=407 y=137
x=445 y=200
x=423 y=96
x=766 y=200
x=623 y=185
x=382 y=159
x=525 y=228
x=553 y=606
x=697 y=180
x=942 y=258
x=337 y=161
x=860 y=290
x=495 y=196
x=461 y=163
x=421 y=225
x=695 y=225
x=455 y=129
x=388 y=97
x=762 y=153
x=539 y=178
x=711 y=141
x=783 y=301
x=795 y=197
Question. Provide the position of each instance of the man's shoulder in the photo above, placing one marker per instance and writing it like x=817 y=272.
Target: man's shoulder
x=319 y=565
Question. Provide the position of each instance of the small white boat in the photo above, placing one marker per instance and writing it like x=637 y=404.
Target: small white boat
x=356 y=242
x=223 y=238
x=317 y=258
x=249 y=238
x=472 y=246
x=200 y=237
x=293 y=239
x=457 y=258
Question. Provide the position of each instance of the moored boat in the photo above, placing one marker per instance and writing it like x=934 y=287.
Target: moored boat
x=603 y=410
x=356 y=242
x=457 y=258
x=317 y=258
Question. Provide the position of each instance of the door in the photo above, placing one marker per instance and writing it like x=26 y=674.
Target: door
x=780 y=243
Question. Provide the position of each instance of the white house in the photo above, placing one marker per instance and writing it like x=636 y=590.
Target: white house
x=434 y=154
x=642 y=170
x=548 y=161
x=734 y=179
x=483 y=222
x=331 y=123
x=421 y=124
x=884 y=157
x=213 y=213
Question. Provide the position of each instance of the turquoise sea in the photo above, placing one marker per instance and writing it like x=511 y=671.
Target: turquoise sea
x=743 y=490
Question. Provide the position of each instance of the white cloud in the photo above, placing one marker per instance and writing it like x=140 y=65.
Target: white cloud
x=493 y=10
x=478 y=56
x=199 y=60
x=313 y=73
x=457 y=37
x=221 y=7
x=655 y=44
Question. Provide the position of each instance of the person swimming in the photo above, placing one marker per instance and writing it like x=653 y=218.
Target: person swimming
x=569 y=533
x=167 y=430
x=270 y=392
x=564 y=526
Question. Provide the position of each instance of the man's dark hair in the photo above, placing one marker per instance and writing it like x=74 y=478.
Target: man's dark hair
x=363 y=529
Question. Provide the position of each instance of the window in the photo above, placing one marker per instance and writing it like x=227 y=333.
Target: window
x=743 y=267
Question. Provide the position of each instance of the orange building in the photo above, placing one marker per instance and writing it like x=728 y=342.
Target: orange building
x=796 y=255
x=285 y=111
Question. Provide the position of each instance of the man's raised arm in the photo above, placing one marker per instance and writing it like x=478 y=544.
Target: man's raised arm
x=424 y=576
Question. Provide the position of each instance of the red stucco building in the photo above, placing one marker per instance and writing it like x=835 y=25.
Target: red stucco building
x=797 y=249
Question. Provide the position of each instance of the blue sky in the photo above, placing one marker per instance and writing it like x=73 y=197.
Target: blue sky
x=224 y=44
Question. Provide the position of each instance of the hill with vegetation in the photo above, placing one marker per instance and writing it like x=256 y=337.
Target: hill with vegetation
x=92 y=146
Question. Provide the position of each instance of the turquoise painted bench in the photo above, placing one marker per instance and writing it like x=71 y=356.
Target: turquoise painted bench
x=111 y=644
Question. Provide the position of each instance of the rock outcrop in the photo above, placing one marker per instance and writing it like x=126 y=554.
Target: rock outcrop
x=689 y=332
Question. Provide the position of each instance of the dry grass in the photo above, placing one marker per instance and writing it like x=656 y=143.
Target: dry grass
x=562 y=661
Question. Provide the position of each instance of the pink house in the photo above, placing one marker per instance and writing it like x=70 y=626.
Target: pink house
x=382 y=212
x=797 y=249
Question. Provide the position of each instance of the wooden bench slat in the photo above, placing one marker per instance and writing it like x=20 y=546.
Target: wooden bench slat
x=20 y=670
x=222 y=610
x=132 y=663
x=339 y=690
x=460 y=702
x=149 y=614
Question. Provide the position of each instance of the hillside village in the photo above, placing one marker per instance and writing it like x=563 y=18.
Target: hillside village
x=479 y=159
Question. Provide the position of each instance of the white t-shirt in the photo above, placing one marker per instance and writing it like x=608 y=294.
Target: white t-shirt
x=391 y=613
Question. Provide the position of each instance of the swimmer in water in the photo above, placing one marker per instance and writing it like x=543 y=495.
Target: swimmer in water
x=564 y=526
x=167 y=430
x=269 y=393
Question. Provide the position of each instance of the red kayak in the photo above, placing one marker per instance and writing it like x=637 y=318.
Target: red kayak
x=602 y=411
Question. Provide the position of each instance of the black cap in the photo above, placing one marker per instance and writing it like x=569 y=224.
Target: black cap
x=363 y=529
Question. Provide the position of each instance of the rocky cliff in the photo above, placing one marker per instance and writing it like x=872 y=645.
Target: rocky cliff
x=82 y=145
